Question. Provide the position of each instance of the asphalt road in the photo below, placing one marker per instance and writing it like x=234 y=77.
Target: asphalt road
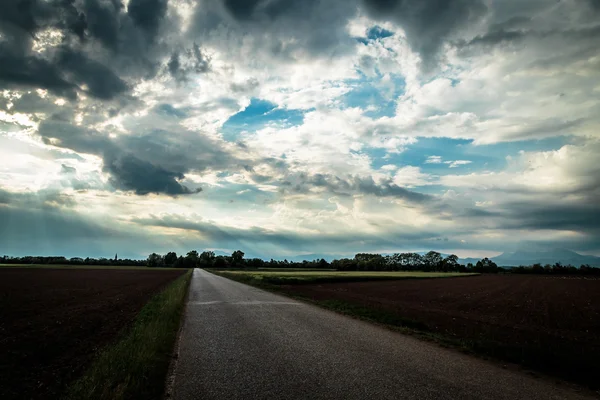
x=239 y=342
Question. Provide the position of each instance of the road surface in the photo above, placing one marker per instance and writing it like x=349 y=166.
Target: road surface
x=240 y=342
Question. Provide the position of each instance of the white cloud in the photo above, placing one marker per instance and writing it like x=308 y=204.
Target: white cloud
x=456 y=163
x=412 y=176
x=433 y=160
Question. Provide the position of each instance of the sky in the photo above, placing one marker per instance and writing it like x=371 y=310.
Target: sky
x=287 y=127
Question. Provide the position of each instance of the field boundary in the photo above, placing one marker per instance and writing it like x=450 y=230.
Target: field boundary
x=136 y=365
x=483 y=349
x=170 y=378
x=255 y=277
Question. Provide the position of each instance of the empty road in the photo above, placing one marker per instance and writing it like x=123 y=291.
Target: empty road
x=239 y=342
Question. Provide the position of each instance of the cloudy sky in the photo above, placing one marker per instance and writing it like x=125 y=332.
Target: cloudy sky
x=285 y=127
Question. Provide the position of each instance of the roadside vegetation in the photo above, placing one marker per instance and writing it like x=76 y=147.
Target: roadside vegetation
x=135 y=367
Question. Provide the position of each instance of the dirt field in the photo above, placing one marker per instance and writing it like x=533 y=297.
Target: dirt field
x=551 y=324
x=53 y=321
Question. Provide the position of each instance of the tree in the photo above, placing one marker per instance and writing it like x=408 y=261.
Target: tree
x=207 y=258
x=220 y=262
x=237 y=257
x=155 y=260
x=412 y=260
x=170 y=258
x=193 y=255
x=486 y=265
x=255 y=263
x=451 y=263
x=432 y=260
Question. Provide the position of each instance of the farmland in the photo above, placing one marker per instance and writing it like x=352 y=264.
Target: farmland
x=53 y=322
x=550 y=324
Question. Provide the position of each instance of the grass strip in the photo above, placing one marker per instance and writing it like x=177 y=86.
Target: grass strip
x=136 y=366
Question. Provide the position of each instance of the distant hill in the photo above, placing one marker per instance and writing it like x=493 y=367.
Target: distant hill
x=530 y=257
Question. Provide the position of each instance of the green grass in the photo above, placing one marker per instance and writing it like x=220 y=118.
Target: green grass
x=298 y=277
x=64 y=266
x=136 y=366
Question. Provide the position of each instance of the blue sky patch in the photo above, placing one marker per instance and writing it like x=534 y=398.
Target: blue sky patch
x=482 y=157
x=257 y=115
x=376 y=99
x=374 y=33
x=378 y=32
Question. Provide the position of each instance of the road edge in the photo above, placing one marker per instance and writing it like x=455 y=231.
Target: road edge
x=170 y=378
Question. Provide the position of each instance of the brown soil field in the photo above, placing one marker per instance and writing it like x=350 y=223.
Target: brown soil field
x=550 y=324
x=53 y=322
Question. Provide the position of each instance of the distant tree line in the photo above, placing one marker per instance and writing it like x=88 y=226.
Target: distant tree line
x=432 y=261
x=556 y=269
x=208 y=259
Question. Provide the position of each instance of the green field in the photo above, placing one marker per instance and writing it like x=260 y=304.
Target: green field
x=282 y=276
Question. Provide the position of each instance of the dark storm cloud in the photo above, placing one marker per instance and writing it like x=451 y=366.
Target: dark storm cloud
x=351 y=185
x=579 y=217
x=101 y=81
x=388 y=189
x=75 y=63
x=147 y=14
x=281 y=28
x=63 y=74
x=584 y=36
x=428 y=23
x=103 y=20
x=594 y=4
x=30 y=71
x=153 y=162
x=30 y=15
x=129 y=173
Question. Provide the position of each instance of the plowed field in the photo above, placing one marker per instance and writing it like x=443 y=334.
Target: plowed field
x=53 y=321
x=548 y=323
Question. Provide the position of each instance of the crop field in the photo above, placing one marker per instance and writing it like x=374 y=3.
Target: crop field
x=305 y=277
x=550 y=324
x=54 y=321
